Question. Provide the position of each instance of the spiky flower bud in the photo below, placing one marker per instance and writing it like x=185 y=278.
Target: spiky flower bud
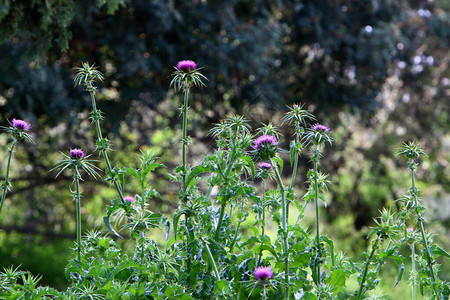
x=318 y=135
x=411 y=150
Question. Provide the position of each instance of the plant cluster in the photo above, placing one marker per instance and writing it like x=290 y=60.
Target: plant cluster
x=216 y=244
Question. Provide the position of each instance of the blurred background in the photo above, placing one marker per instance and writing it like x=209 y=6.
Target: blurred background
x=375 y=71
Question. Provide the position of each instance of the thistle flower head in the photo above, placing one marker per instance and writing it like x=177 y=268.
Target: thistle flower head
x=264 y=170
x=76 y=160
x=129 y=198
x=18 y=129
x=265 y=147
x=264 y=140
x=409 y=229
x=318 y=127
x=318 y=134
x=411 y=150
x=76 y=153
x=186 y=65
x=265 y=165
x=21 y=124
x=263 y=273
x=187 y=75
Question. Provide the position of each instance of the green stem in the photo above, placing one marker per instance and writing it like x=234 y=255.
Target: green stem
x=78 y=209
x=316 y=200
x=224 y=203
x=263 y=222
x=422 y=229
x=366 y=268
x=219 y=224
x=6 y=184
x=99 y=138
x=185 y=142
x=294 y=175
x=284 y=225
x=213 y=262
x=236 y=232
x=413 y=271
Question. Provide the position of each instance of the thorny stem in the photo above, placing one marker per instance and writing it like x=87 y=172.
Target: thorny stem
x=263 y=222
x=99 y=138
x=294 y=174
x=78 y=209
x=6 y=184
x=284 y=227
x=183 y=154
x=413 y=271
x=263 y=219
x=422 y=229
x=224 y=203
x=366 y=268
x=316 y=200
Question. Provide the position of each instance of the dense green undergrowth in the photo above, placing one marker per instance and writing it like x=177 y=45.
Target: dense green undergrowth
x=228 y=239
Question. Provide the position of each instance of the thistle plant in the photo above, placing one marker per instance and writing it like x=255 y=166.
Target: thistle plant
x=264 y=172
x=265 y=148
x=317 y=135
x=18 y=130
x=186 y=76
x=386 y=229
x=412 y=151
x=87 y=75
x=77 y=161
x=296 y=117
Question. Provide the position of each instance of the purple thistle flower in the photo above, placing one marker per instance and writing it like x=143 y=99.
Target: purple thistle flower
x=129 y=198
x=186 y=65
x=263 y=273
x=264 y=139
x=265 y=165
x=323 y=128
x=20 y=124
x=409 y=229
x=76 y=153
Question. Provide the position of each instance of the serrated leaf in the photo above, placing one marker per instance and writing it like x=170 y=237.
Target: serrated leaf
x=337 y=280
x=437 y=251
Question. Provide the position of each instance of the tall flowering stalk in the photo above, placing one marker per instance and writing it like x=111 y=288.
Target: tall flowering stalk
x=265 y=148
x=18 y=130
x=76 y=161
x=87 y=75
x=413 y=151
x=318 y=135
x=186 y=75
x=386 y=229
